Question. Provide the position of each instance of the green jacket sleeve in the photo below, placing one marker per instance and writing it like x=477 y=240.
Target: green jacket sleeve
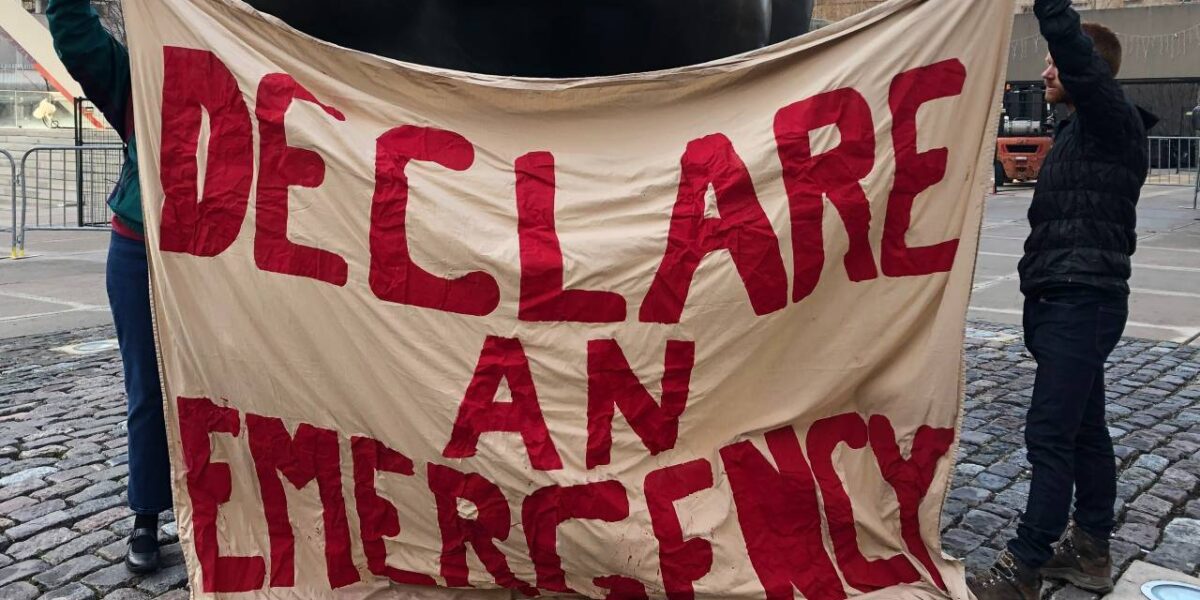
x=97 y=61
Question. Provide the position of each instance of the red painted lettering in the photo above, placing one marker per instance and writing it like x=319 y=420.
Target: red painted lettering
x=503 y=359
x=861 y=573
x=197 y=82
x=836 y=174
x=394 y=276
x=282 y=166
x=916 y=171
x=491 y=523
x=911 y=478
x=681 y=561
x=612 y=383
x=781 y=518
x=742 y=229
x=547 y=508
x=542 y=295
x=311 y=454
x=209 y=486
x=377 y=517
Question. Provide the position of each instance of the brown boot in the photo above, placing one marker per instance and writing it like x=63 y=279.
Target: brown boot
x=1082 y=560
x=1008 y=579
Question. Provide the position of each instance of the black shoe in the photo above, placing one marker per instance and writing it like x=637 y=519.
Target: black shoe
x=143 y=556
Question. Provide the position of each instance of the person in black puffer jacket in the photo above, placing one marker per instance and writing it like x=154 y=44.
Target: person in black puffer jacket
x=1075 y=276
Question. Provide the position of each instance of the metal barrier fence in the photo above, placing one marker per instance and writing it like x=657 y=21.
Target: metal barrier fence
x=12 y=169
x=65 y=187
x=85 y=134
x=1174 y=161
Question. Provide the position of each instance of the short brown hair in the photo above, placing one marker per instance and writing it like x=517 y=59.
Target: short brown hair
x=1108 y=46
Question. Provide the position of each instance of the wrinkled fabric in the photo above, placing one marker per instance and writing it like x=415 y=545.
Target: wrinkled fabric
x=598 y=337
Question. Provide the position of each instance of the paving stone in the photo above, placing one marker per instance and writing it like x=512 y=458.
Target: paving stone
x=38 y=509
x=163 y=580
x=1006 y=470
x=1176 y=555
x=52 y=450
x=1142 y=478
x=1182 y=530
x=1192 y=510
x=1151 y=462
x=20 y=489
x=1152 y=505
x=61 y=489
x=36 y=526
x=27 y=474
x=73 y=473
x=21 y=570
x=171 y=554
x=71 y=591
x=97 y=490
x=110 y=473
x=40 y=543
x=1010 y=499
x=1137 y=516
x=14 y=504
x=122 y=526
x=960 y=542
x=1123 y=554
x=102 y=519
x=114 y=551
x=1123 y=452
x=21 y=590
x=174 y=595
x=69 y=571
x=982 y=523
x=110 y=578
x=1001 y=511
x=1180 y=479
x=1071 y=592
x=992 y=482
x=126 y=594
x=77 y=546
x=91 y=507
x=971 y=496
x=1144 y=536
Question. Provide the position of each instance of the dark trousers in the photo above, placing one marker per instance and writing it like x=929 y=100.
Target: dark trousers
x=129 y=297
x=1070 y=334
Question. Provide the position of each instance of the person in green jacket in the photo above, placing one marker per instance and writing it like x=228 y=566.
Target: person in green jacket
x=101 y=66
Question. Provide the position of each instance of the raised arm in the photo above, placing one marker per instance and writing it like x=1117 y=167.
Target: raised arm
x=1087 y=78
x=97 y=61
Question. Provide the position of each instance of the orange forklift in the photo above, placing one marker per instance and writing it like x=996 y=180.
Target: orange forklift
x=1025 y=135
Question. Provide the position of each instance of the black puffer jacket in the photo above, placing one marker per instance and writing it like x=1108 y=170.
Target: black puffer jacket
x=1084 y=210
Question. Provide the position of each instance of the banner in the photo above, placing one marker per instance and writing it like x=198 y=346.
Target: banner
x=684 y=334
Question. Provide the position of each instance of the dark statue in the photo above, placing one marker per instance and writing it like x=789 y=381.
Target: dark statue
x=548 y=38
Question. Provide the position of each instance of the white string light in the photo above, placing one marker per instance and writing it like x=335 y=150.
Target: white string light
x=1171 y=45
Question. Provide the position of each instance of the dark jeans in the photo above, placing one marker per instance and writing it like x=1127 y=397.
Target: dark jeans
x=1070 y=334
x=129 y=298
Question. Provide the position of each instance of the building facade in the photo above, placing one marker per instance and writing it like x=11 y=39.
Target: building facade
x=833 y=10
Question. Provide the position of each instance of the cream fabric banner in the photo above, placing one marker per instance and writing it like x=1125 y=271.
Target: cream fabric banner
x=692 y=333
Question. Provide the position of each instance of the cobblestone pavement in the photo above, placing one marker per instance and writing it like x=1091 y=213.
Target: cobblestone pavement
x=63 y=519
